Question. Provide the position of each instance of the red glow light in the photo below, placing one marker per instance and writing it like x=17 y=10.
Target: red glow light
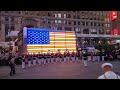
x=114 y=15
x=115 y=31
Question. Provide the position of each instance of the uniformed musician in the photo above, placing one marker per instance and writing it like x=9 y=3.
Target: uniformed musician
x=94 y=56
x=45 y=58
x=52 y=58
x=77 y=56
x=73 y=56
x=57 y=56
x=65 y=59
x=39 y=59
x=103 y=55
x=48 y=56
x=98 y=55
x=34 y=60
x=68 y=55
x=60 y=57
x=42 y=58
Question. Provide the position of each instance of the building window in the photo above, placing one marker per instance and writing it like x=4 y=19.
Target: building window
x=78 y=23
x=6 y=11
x=99 y=24
x=59 y=15
x=86 y=23
x=78 y=17
x=108 y=25
x=59 y=21
x=94 y=24
x=102 y=24
x=91 y=23
x=91 y=18
x=105 y=19
x=74 y=17
x=64 y=15
x=69 y=16
x=108 y=32
x=101 y=31
x=105 y=25
x=69 y=23
x=94 y=18
x=83 y=23
x=12 y=27
x=108 y=20
x=86 y=18
x=49 y=14
x=86 y=31
x=6 y=18
x=93 y=31
x=98 y=18
x=82 y=17
x=55 y=15
x=55 y=21
x=12 y=18
x=68 y=28
x=74 y=23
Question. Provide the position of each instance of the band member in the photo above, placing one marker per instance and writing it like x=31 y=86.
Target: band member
x=65 y=54
x=77 y=56
x=45 y=58
x=60 y=57
x=68 y=56
x=29 y=61
x=23 y=62
x=34 y=60
x=85 y=58
x=73 y=56
x=52 y=58
x=39 y=59
x=57 y=57
x=42 y=56
x=48 y=56
x=88 y=56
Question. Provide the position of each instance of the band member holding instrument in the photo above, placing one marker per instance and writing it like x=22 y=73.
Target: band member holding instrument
x=52 y=58
x=45 y=58
x=65 y=55
x=60 y=57
x=73 y=56
x=77 y=56
x=48 y=56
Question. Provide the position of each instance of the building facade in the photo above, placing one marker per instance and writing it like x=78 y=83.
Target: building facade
x=92 y=27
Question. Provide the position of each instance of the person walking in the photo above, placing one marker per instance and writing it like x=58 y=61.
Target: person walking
x=29 y=61
x=60 y=57
x=65 y=59
x=108 y=72
x=48 y=56
x=12 y=66
x=88 y=56
x=45 y=58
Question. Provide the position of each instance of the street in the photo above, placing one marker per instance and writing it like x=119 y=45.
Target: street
x=63 y=70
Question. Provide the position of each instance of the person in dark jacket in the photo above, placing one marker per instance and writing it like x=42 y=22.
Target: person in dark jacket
x=85 y=58
x=12 y=66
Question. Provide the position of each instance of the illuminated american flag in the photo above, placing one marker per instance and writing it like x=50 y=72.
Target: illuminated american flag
x=44 y=40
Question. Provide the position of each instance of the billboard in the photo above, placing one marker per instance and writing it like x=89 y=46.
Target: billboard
x=41 y=40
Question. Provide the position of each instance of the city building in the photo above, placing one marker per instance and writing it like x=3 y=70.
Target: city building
x=92 y=27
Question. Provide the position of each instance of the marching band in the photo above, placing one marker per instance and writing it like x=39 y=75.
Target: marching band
x=50 y=57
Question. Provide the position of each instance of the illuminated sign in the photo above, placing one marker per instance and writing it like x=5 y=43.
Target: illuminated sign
x=39 y=40
x=114 y=15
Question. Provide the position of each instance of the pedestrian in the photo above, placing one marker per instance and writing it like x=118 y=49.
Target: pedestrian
x=34 y=61
x=68 y=55
x=23 y=62
x=108 y=72
x=77 y=56
x=52 y=58
x=73 y=56
x=85 y=58
x=12 y=66
x=94 y=56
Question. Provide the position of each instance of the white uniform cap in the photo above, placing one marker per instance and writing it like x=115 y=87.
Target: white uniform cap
x=107 y=64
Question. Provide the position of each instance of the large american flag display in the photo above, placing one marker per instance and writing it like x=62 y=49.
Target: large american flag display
x=42 y=40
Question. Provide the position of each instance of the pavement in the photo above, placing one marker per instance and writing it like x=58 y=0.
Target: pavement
x=70 y=70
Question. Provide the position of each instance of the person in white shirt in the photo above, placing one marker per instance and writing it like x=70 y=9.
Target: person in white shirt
x=109 y=74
